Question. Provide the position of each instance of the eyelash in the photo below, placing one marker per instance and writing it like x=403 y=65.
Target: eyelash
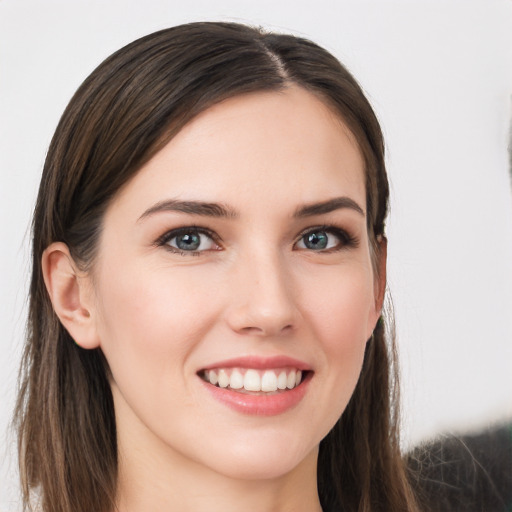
x=346 y=240
x=164 y=240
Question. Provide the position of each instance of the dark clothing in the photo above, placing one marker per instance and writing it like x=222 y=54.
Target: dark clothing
x=469 y=473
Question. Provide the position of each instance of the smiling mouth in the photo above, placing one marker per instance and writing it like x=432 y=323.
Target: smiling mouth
x=252 y=381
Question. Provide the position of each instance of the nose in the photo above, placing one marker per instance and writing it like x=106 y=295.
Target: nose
x=263 y=302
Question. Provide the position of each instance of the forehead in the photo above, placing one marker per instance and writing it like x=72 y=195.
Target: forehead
x=263 y=148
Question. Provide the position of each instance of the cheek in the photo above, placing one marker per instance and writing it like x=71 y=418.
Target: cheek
x=340 y=306
x=340 y=312
x=150 y=322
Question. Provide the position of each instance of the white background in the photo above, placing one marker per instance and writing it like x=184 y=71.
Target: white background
x=439 y=74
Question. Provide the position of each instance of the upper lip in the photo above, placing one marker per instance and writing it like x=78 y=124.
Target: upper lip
x=260 y=363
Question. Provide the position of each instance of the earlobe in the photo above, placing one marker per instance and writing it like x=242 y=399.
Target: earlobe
x=70 y=294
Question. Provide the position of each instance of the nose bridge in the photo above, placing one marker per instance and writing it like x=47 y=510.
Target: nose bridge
x=264 y=301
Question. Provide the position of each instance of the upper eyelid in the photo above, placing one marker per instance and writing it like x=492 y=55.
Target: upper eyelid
x=347 y=238
x=173 y=233
x=329 y=228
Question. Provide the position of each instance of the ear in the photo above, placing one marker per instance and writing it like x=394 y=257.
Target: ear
x=71 y=294
x=379 y=283
x=380 y=278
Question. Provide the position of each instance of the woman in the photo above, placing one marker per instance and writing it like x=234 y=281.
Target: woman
x=205 y=325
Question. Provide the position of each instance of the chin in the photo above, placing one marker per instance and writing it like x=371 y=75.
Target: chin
x=262 y=458
x=259 y=469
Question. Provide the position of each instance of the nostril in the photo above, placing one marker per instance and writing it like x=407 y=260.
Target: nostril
x=255 y=316
x=266 y=331
x=252 y=330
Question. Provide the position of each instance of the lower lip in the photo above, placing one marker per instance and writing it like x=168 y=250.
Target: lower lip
x=260 y=405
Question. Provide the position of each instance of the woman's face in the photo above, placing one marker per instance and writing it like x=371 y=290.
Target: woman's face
x=237 y=257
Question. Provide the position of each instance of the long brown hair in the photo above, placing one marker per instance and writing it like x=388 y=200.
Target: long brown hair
x=123 y=113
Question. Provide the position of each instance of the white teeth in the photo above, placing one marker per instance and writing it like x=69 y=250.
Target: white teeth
x=269 y=381
x=281 y=381
x=212 y=377
x=223 y=379
x=252 y=381
x=290 y=381
x=237 y=380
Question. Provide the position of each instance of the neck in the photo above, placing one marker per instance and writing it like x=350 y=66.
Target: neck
x=189 y=488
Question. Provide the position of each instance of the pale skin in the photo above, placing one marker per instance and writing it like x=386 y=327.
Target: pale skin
x=283 y=268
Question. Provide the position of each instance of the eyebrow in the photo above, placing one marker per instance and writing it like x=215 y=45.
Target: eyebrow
x=220 y=210
x=191 y=207
x=329 y=206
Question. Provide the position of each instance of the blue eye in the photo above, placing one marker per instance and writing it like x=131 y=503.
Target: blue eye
x=316 y=241
x=188 y=239
x=324 y=239
x=188 y=242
